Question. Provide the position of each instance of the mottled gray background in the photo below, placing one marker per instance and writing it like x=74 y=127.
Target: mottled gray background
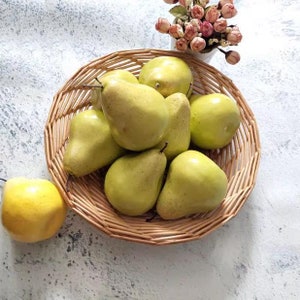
x=254 y=256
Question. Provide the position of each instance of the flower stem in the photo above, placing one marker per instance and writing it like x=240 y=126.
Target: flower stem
x=223 y=51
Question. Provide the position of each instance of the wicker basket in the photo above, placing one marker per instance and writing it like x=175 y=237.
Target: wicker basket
x=85 y=195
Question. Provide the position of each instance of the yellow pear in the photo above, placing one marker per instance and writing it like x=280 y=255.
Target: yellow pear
x=168 y=75
x=178 y=132
x=91 y=145
x=133 y=181
x=194 y=184
x=215 y=119
x=137 y=114
x=98 y=82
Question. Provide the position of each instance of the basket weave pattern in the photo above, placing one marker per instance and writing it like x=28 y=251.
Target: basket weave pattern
x=239 y=160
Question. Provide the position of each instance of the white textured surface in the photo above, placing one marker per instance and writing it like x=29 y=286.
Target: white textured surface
x=254 y=256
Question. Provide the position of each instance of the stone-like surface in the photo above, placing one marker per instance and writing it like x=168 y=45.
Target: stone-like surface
x=254 y=256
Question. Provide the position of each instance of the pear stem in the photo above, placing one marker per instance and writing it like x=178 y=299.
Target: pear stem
x=164 y=147
x=100 y=86
x=99 y=81
x=3 y=179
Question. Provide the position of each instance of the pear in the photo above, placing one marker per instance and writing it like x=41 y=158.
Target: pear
x=98 y=81
x=168 y=75
x=137 y=114
x=90 y=145
x=178 y=134
x=133 y=182
x=194 y=184
x=215 y=118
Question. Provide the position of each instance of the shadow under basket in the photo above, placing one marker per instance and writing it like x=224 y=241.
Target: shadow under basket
x=85 y=196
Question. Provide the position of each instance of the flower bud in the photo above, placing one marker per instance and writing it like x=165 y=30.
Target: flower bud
x=228 y=10
x=223 y=2
x=197 y=24
x=220 y=25
x=181 y=44
x=162 y=25
x=203 y=3
x=234 y=36
x=212 y=14
x=197 y=12
x=171 y=1
x=232 y=57
x=176 y=31
x=190 y=32
x=207 y=29
x=185 y=3
x=197 y=44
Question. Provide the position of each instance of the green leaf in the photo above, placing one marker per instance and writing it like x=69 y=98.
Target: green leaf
x=178 y=11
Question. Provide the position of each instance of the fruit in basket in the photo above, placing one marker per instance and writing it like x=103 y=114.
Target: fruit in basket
x=137 y=114
x=133 y=181
x=178 y=132
x=194 y=184
x=215 y=119
x=91 y=145
x=32 y=209
x=168 y=75
x=98 y=82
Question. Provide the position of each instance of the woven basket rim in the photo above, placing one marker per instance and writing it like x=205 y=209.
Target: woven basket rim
x=240 y=159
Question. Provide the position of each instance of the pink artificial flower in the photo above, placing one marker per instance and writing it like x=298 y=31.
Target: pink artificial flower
x=197 y=12
x=181 y=44
x=222 y=2
x=212 y=14
x=190 y=31
x=207 y=29
x=228 y=10
x=171 y=1
x=234 y=36
x=176 y=31
x=220 y=25
x=185 y=3
x=162 y=25
x=197 y=44
x=197 y=24
x=203 y=3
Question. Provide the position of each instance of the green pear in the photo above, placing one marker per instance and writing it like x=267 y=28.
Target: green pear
x=215 y=119
x=137 y=114
x=168 y=75
x=194 y=184
x=98 y=82
x=178 y=134
x=133 y=182
x=90 y=145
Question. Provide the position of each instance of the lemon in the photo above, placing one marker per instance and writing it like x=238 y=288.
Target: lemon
x=32 y=209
